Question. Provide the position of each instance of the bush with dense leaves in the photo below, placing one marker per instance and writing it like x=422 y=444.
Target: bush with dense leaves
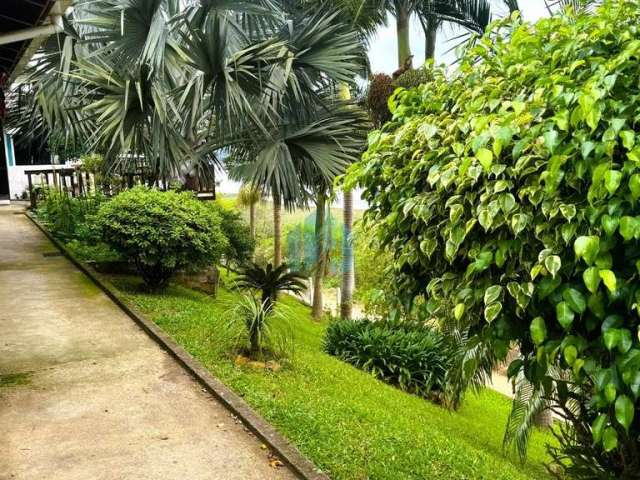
x=69 y=218
x=161 y=232
x=411 y=357
x=509 y=193
x=240 y=246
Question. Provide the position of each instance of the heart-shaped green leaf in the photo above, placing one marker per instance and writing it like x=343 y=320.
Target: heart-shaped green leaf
x=570 y=354
x=564 y=315
x=634 y=186
x=609 y=279
x=553 y=264
x=610 y=224
x=492 y=294
x=575 y=299
x=612 y=180
x=587 y=248
x=538 y=330
x=598 y=427
x=609 y=439
x=611 y=338
x=628 y=139
x=624 y=411
x=629 y=227
x=458 y=311
x=492 y=311
x=591 y=278
x=485 y=157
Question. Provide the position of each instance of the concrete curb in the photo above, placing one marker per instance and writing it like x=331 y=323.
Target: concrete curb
x=289 y=454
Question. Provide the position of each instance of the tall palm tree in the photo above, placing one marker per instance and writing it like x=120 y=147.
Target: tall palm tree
x=248 y=197
x=299 y=157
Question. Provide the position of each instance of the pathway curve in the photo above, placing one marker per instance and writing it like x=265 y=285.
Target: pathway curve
x=92 y=396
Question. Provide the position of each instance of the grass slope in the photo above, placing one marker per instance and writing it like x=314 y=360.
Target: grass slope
x=349 y=424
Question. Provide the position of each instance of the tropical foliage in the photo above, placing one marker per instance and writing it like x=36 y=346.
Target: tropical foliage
x=161 y=232
x=513 y=214
x=270 y=281
x=414 y=358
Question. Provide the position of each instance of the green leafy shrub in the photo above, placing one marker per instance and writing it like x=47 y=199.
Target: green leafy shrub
x=240 y=246
x=411 y=357
x=161 y=232
x=69 y=218
x=509 y=193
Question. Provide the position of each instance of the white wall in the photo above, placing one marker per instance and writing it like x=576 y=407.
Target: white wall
x=18 y=181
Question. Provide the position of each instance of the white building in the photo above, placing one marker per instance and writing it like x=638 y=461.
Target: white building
x=23 y=26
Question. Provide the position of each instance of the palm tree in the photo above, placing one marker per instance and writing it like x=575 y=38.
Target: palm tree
x=299 y=159
x=248 y=197
x=270 y=281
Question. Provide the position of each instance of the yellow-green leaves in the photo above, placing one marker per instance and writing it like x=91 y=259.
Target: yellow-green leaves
x=609 y=279
x=612 y=179
x=458 y=311
x=587 y=248
x=628 y=139
x=629 y=227
x=591 y=278
x=485 y=157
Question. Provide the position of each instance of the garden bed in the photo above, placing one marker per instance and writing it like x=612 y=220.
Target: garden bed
x=349 y=424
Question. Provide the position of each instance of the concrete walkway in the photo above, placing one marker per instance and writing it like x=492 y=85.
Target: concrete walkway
x=87 y=395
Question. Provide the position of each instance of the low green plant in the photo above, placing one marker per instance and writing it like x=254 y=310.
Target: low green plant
x=414 y=358
x=270 y=282
x=254 y=317
x=161 y=232
x=69 y=218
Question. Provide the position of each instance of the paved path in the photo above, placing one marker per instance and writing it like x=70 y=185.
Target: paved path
x=99 y=399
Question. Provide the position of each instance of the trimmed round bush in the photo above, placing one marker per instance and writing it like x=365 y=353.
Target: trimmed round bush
x=161 y=232
x=509 y=193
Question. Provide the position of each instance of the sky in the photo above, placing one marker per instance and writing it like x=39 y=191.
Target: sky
x=383 y=46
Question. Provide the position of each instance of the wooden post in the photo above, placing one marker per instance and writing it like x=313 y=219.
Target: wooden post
x=81 y=185
x=72 y=179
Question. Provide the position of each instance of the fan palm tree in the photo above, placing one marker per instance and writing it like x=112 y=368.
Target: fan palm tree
x=173 y=83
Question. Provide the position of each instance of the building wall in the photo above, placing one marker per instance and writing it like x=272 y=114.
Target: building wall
x=18 y=182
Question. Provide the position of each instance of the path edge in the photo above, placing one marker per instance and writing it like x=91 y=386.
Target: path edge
x=289 y=454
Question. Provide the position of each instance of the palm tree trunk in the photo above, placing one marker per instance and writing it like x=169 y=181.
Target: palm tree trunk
x=277 y=230
x=348 y=270
x=346 y=292
x=317 y=306
x=430 y=28
x=402 y=32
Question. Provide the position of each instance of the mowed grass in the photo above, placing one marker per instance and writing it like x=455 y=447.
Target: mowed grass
x=348 y=423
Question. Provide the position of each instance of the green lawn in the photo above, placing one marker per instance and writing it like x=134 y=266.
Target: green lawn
x=349 y=424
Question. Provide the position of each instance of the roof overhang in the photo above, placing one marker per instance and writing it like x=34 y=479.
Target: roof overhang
x=24 y=25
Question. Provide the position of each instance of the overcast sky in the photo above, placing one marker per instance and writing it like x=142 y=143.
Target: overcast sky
x=383 y=47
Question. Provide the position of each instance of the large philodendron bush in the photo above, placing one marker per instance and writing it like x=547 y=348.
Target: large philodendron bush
x=509 y=193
